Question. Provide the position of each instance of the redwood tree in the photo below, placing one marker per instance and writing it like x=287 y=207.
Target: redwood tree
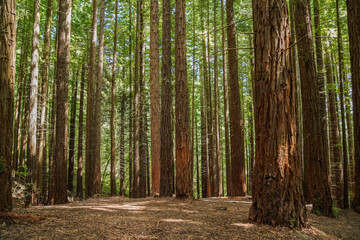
x=7 y=83
x=184 y=185
x=353 y=9
x=277 y=193
x=236 y=123
x=62 y=76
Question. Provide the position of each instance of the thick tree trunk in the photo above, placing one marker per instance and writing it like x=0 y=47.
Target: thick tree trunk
x=204 y=141
x=277 y=193
x=32 y=161
x=7 y=83
x=316 y=188
x=70 y=185
x=79 y=175
x=131 y=113
x=112 y=112
x=184 y=185
x=236 y=123
x=155 y=97
x=166 y=152
x=62 y=76
x=353 y=10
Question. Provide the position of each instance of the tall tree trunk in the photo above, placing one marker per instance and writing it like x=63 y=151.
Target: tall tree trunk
x=226 y=108
x=44 y=73
x=7 y=83
x=193 y=94
x=32 y=160
x=236 y=123
x=131 y=115
x=90 y=186
x=112 y=113
x=277 y=194
x=316 y=188
x=345 y=204
x=353 y=10
x=79 y=175
x=166 y=152
x=122 y=144
x=217 y=160
x=197 y=165
x=335 y=147
x=136 y=167
x=70 y=185
x=204 y=140
x=155 y=97
x=97 y=115
x=349 y=128
x=62 y=76
x=184 y=184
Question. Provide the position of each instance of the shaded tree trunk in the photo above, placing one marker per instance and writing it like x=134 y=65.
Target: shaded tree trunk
x=79 y=175
x=184 y=185
x=70 y=185
x=32 y=159
x=353 y=10
x=155 y=97
x=131 y=119
x=316 y=187
x=236 y=123
x=277 y=193
x=122 y=144
x=112 y=113
x=62 y=76
x=166 y=152
x=7 y=89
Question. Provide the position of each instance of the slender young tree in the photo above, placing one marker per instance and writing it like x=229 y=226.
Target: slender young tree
x=131 y=143
x=7 y=83
x=79 y=175
x=316 y=187
x=166 y=153
x=32 y=161
x=345 y=203
x=122 y=143
x=62 y=76
x=91 y=185
x=277 y=193
x=70 y=182
x=44 y=77
x=184 y=184
x=353 y=10
x=155 y=98
x=236 y=123
x=112 y=113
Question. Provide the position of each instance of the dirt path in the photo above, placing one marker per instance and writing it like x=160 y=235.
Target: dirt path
x=157 y=218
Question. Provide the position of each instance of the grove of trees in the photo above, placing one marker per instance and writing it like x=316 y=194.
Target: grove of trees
x=196 y=99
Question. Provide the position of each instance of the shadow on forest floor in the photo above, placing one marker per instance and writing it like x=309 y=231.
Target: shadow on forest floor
x=163 y=218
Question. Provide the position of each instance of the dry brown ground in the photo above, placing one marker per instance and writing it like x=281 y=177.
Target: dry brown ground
x=158 y=218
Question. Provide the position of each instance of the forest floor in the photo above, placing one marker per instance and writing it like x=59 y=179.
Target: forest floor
x=163 y=218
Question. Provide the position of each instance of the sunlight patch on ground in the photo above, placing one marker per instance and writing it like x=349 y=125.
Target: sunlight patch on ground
x=171 y=220
x=244 y=225
x=316 y=232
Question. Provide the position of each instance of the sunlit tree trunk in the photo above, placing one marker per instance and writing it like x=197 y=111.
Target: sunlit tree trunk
x=277 y=193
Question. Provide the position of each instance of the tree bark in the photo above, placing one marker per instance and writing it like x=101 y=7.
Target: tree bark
x=32 y=160
x=112 y=113
x=70 y=185
x=122 y=145
x=277 y=193
x=7 y=89
x=184 y=184
x=236 y=123
x=353 y=10
x=166 y=152
x=345 y=203
x=316 y=187
x=62 y=76
x=155 y=97
x=79 y=175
